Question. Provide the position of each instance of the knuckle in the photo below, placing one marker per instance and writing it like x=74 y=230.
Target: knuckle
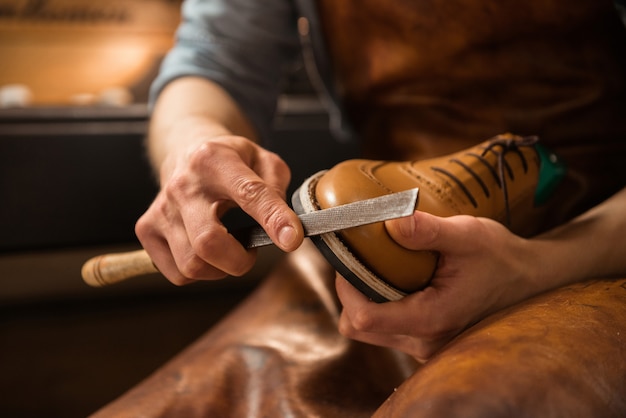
x=192 y=267
x=177 y=186
x=148 y=229
x=205 y=246
x=362 y=320
x=148 y=224
x=200 y=157
x=256 y=198
x=205 y=240
x=142 y=227
x=346 y=330
x=272 y=217
x=250 y=191
x=202 y=244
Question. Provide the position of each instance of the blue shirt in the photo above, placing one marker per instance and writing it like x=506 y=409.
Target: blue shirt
x=243 y=45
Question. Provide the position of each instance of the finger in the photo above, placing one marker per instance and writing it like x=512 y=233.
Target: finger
x=159 y=251
x=411 y=315
x=232 y=172
x=203 y=248
x=388 y=324
x=164 y=235
x=260 y=192
x=423 y=231
x=366 y=315
x=163 y=259
x=416 y=232
x=398 y=342
x=265 y=204
x=274 y=171
x=420 y=350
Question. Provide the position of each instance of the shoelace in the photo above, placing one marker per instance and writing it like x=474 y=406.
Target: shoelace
x=506 y=144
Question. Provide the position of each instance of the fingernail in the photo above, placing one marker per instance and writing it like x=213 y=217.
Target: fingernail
x=405 y=227
x=287 y=236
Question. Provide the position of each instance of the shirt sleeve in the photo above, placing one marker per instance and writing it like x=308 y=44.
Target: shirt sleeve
x=242 y=45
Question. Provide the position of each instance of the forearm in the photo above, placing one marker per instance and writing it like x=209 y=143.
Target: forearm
x=201 y=144
x=189 y=111
x=592 y=245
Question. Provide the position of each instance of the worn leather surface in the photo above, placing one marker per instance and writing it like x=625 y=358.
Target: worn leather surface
x=562 y=354
x=278 y=355
x=440 y=194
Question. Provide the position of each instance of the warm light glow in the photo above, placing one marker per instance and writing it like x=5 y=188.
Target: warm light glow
x=59 y=56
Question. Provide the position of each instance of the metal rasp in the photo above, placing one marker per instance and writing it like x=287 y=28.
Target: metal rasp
x=350 y=215
x=112 y=268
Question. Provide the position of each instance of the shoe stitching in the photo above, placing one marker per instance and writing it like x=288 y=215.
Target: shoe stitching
x=312 y=196
x=458 y=182
x=432 y=186
x=507 y=144
x=367 y=171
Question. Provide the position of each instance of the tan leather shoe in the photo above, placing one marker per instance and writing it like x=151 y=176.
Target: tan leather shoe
x=496 y=179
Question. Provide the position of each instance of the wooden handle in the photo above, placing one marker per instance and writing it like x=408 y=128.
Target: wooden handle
x=107 y=269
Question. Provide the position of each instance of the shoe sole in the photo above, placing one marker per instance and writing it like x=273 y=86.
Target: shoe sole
x=338 y=254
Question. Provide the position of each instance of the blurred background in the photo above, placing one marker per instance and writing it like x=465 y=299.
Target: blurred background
x=74 y=79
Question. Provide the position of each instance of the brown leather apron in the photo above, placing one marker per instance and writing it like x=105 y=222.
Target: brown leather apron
x=425 y=78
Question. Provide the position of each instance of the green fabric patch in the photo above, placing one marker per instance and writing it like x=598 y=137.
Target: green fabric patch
x=551 y=171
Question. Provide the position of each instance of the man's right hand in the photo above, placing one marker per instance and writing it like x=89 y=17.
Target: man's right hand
x=182 y=230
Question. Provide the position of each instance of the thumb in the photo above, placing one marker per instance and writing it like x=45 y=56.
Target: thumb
x=265 y=204
x=419 y=231
x=277 y=219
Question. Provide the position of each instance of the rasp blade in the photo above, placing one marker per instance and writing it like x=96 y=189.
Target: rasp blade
x=363 y=212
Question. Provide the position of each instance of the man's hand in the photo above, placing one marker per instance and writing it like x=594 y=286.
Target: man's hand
x=182 y=230
x=481 y=270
